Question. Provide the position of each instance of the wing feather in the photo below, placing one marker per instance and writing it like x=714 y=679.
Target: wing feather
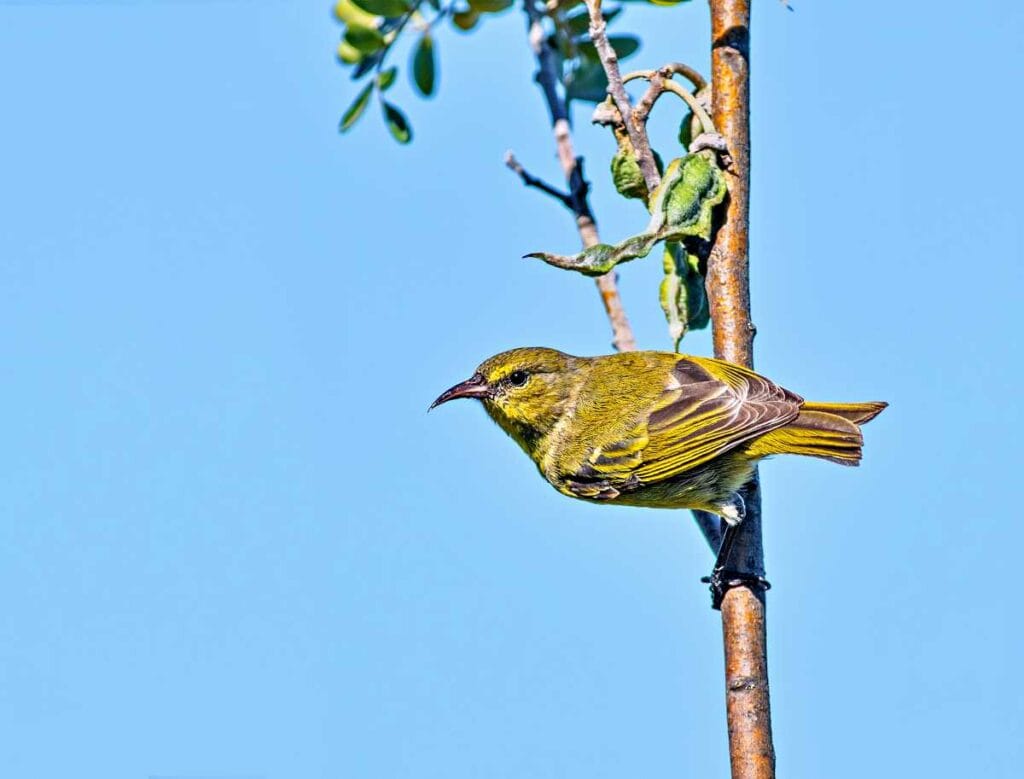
x=707 y=408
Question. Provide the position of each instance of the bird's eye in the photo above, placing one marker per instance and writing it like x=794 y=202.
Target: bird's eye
x=518 y=378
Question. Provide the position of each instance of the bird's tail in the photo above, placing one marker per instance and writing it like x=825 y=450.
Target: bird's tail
x=830 y=431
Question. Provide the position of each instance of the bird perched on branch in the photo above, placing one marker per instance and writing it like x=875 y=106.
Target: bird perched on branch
x=656 y=429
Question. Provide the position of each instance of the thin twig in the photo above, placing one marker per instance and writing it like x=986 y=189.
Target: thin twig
x=532 y=181
x=698 y=110
x=610 y=60
x=650 y=97
x=684 y=70
x=661 y=82
x=549 y=80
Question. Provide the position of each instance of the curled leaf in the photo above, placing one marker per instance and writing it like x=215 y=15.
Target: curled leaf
x=397 y=124
x=602 y=257
x=626 y=174
x=354 y=111
x=681 y=207
x=681 y=293
x=692 y=197
x=424 y=68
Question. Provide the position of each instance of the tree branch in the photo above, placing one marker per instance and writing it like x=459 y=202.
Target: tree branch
x=549 y=80
x=748 y=706
x=610 y=60
x=532 y=181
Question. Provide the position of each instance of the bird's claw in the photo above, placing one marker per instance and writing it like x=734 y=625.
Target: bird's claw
x=722 y=580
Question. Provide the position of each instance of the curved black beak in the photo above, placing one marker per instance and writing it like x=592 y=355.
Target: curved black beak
x=473 y=387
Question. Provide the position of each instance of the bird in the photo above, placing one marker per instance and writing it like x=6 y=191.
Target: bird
x=656 y=429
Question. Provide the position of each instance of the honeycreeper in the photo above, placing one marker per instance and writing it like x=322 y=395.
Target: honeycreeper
x=656 y=429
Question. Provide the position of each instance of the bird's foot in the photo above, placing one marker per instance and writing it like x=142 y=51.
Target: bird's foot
x=722 y=580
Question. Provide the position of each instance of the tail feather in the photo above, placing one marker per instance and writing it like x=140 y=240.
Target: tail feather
x=860 y=413
x=826 y=430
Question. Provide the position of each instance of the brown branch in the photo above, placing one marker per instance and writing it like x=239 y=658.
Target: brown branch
x=549 y=81
x=748 y=706
x=650 y=97
x=610 y=60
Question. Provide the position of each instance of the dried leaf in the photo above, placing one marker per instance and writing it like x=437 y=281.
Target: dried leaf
x=682 y=294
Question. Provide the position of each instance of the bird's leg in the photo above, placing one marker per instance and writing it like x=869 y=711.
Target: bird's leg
x=733 y=513
x=722 y=579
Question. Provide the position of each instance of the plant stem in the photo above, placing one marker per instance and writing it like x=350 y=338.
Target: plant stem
x=610 y=61
x=549 y=80
x=748 y=706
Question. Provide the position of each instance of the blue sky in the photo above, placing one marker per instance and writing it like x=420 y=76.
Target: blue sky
x=232 y=542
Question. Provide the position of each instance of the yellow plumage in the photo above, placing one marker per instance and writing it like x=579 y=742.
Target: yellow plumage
x=655 y=428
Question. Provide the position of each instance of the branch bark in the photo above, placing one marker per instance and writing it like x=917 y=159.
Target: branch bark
x=748 y=706
x=617 y=89
x=549 y=80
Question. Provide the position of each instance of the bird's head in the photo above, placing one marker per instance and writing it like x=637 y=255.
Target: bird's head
x=525 y=390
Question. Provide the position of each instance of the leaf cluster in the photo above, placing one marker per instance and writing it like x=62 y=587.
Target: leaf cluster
x=374 y=27
x=680 y=208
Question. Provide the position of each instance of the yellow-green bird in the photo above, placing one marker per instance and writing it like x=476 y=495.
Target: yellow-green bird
x=655 y=429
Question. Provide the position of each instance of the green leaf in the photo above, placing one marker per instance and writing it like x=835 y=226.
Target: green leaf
x=579 y=22
x=681 y=293
x=424 y=68
x=490 y=6
x=398 y=125
x=351 y=116
x=625 y=46
x=681 y=208
x=626 y=175
x=629 y=181
x=347 y=12
x=466 y=20
x=587 y=82
x=390 y=8
x=386 y=79
x=350 y=55
x=367 y=39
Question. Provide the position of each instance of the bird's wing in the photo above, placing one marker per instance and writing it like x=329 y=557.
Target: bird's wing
x=707 y=408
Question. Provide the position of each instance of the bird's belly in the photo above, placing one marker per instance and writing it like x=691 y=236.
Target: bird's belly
x=707 y=487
